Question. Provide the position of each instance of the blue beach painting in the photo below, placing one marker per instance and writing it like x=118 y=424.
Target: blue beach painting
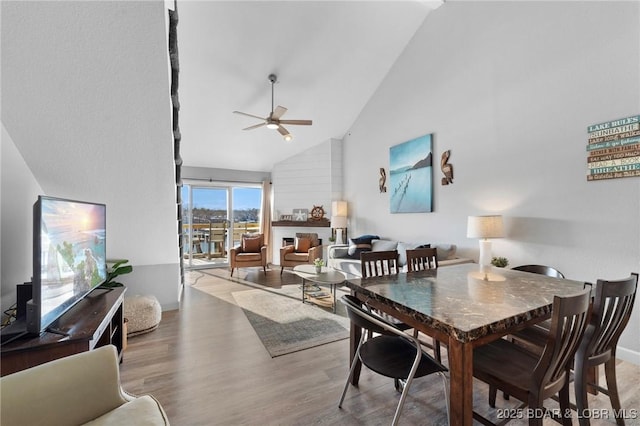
x=411 y=176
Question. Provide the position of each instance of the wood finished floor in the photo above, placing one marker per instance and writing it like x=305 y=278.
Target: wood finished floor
x=206 y=365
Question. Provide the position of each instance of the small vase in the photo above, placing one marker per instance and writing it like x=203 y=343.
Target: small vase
x=318 y=269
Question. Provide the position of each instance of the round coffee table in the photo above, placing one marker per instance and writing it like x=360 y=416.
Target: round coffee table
x=328 y=277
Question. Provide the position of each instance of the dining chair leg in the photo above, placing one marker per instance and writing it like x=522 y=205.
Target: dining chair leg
x=580 y=388
x=493 y=391
x=612 y=387
x=356 y=358
x=445 y=382
x=535 y=405
x=565 y=405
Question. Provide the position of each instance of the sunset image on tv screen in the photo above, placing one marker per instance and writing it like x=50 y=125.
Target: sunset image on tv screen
x=72 y=250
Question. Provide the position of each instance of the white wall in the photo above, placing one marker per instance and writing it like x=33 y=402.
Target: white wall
x=510 y=88
x=311 y=178
x=86 y=101
x=18 y=191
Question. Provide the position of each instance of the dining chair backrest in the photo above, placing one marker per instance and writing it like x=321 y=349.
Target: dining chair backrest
x=568 y=323
x=362 y=317
x=540 y=269
x=377 y=263
x=421 y=259
x=612 y=305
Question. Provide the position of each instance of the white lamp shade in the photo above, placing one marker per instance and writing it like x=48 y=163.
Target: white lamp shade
x=485 y=227
x=339 y=208
x=338 y=221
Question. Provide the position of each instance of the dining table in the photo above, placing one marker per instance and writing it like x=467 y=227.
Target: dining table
x=463 y=306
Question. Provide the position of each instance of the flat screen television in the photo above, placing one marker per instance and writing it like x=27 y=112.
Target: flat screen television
x=69 y=257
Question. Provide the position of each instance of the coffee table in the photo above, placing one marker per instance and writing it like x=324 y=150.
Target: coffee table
x=328 y=277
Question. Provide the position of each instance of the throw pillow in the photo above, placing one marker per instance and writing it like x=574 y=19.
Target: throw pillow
x=360 y=244
x=251 y=244
x=302 y=245
x=402 y=251
x=445 y=251
x=383 y=245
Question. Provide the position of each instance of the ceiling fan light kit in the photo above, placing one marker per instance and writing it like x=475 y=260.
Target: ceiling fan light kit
x=273 y=121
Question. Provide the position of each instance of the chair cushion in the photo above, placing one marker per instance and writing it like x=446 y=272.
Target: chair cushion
x=251 y=244
x=312 y=236
x=144 y=410
x=248 y=257
x=302 y=244
x=297 y=257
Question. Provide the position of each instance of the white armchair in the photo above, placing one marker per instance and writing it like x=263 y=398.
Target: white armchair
x=75 y=390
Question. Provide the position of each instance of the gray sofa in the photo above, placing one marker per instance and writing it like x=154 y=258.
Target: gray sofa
x=338 y=255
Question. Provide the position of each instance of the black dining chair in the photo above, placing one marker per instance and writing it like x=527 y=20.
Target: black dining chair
x=531 y=378
x=534 y=337
x=421 y=259
x=391 y=352
x=540 y=269
x=377 y=263
x=612 y=305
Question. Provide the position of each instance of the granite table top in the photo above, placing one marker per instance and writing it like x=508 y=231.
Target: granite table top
x=466 y=302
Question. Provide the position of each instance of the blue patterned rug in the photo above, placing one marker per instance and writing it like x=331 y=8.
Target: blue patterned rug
x=285 y=325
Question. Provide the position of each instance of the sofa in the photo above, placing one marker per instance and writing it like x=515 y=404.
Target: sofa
x=81 y=389
x=346 y=257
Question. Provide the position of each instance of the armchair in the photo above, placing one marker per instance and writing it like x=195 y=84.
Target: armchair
x=306 y=249
x=250 y=252
x=78 y=389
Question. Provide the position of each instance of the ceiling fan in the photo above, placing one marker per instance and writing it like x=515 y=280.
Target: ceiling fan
x=273 y=121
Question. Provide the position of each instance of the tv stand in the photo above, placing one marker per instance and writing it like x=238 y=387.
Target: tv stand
x=92 y=322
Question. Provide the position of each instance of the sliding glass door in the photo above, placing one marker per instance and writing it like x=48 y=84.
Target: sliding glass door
x=214 y=218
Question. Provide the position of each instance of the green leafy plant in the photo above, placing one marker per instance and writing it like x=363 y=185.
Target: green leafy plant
x=499 y=262
x=115 y=268
x=318 y=262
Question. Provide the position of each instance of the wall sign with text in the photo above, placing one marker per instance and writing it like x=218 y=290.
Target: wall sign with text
x=613 y=150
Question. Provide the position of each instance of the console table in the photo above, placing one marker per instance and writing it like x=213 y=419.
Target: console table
x=94 y=321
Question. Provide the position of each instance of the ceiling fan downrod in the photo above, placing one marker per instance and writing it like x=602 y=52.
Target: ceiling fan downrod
x=272 y=78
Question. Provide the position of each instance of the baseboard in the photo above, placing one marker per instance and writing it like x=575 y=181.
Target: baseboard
x=628 y=355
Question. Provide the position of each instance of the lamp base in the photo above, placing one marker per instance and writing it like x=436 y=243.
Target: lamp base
x=485 y=253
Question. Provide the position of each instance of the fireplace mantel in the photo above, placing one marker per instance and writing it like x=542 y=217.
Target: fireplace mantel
x=303 y=224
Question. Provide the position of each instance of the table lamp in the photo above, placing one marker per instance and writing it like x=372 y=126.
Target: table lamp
x=485 y=227
x=339 y=219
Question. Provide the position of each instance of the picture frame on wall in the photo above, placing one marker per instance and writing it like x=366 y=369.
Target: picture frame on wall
x=411 y=176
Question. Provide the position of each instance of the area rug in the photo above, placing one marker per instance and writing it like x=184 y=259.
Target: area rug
x=286 y=325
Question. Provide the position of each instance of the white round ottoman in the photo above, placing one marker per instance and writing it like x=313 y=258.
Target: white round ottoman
x=143 y=314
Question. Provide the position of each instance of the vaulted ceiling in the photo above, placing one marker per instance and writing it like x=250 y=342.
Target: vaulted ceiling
x=330 y=57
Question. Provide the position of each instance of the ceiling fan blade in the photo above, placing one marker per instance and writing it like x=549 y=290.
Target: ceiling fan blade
x=283 y=131
x=255 y=126
x=297 y=122
x=249 y=115
x=278 y=112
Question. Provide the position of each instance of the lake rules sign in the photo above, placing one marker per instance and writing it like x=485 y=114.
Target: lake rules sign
x=613 y=150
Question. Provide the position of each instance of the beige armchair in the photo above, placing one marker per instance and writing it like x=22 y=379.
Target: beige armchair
x=250 y=252
x=79 y=389
x=305 y=249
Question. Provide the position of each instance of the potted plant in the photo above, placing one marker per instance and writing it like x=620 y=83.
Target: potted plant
x=318 y=263
x=499 y=262
x=116 y=267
